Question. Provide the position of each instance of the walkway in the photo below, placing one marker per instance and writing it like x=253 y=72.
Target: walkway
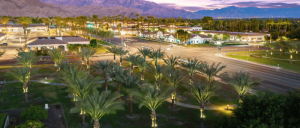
x=198 y=107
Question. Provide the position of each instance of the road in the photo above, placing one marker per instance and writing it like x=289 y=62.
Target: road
x=275 y=79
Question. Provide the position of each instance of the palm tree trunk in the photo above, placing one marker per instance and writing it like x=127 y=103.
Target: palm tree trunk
x=83 y=118
x=25 y=88
x=296 y=54
x=271 y=54
x=153 y=118
x=201 y=114
x=120 y=60
x=96 y=124
x=131 y=110
x=115 y=58
x=291 y=58
x=240 y=98
x=119 y=88
x=142 y=75
x=283 y=52
x=105 y=77
x=173 y=98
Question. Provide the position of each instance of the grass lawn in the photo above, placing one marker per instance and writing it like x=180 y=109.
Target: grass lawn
x=200 y=45
x=282 y=63
x=101 y=49
x=39 y=94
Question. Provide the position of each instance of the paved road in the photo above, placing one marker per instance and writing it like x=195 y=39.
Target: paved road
x=275 y=79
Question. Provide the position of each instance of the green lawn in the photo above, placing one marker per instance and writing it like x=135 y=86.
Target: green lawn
x=101 y=49
x=200 y=45
x=256 y=56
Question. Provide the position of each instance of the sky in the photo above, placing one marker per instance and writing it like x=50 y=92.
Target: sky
x=195 y=5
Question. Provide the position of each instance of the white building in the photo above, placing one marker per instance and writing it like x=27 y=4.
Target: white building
x=196 y=28
x=19 y=28
x=2 y=36
x=147 y=34
x=199 y=39
x=245 y=36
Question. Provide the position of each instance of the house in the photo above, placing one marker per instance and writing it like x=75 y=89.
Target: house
x=56 y=42
x=2 y=36
x=147 y=34
x=170 y=38
x=244 y=36
x=199 y=39
x=196 y=28
x=19 y=28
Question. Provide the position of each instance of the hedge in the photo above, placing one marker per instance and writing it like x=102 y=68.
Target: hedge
x=2 y=119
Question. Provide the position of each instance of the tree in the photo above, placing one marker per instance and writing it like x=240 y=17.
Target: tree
x=115 y=50
x=292 y=47
x=27 y=59
x=238 y=36
x=156 y=55
x=58 y=23
x=122 y=52
x=225 y=36
x=130 y=82
x=31 y=124
x=174 y=77
x=203 y=92
x=97 y=105
x=183 y=35
x=145 y=52
x=86 y=53
x=211 y=70
x=2 y=53
x=207 y=20
x=93 y=43
x=191 y=66
x=157 y=72
x=47 y=22
x=34 y=113
x=172 y=61
x=24 y=21
x=272 y=46
x=57 y=56
x=5 y=21
x=142 y=65
x=151 y=97
x=132 y=60
x=23 y=74
x=242 y=83
x=103 y=66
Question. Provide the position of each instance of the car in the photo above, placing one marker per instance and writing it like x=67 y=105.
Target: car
x=3 y=44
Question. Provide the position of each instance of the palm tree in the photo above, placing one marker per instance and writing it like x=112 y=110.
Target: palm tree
x=86 y=53
x=27 y=59
x=97 y=105
x=2 y=53
x=272 y=46
x=292 y=47
x=5 y=21
x=129 y=82
x=156 y=55
x=283 y=44
x=24 y=21
x=58 y=22
x=174 y=77
x=23 y=74
x=113 y=73
x=142 y=65
x=122 y=52
x=210 y=70
x=203 y=92
x=103 y=66
x=242 y=83
x=157 y=72
x=47 y=23
x=151 y=97
x=81 y=88
x=145 y=52
x=191 y=66
x=132 y=59
x=115 y=50
x=172 y=61
x=57 y=56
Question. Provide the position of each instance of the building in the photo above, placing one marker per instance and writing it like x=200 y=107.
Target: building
x=19 y=28
x=56 y=42
x=234 y=36
x=2 y=36
x=196 y=28
x=147 y=34
x=199 y=39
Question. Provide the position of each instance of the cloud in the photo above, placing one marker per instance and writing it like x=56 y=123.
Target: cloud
x=264 y=5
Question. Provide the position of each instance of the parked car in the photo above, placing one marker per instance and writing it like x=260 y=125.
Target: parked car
x=3 y=44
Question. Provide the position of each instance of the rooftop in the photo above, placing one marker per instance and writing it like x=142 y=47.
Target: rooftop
x=47 y=42
x=2 y=34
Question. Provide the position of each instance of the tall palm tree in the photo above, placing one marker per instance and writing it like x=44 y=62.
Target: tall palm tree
x=58 y=22
x=57 y=55
x=24 y=21
x=97 y=105
x=114 y=72
x=156 y=55
x=86 y=53
x=203 y=92
x=129 y=82
x=191 y=66
x=174 y=77
x=242 y=83
x=115 y=50
x=151 y=97
x=132 y=60
x=81 y=88
x=272 y=46
x=283 y=45
x=47 y=22
x=144 y=52
x=5 y=21
x=142 y=65
x=172 y=61
x=27 y=59
x=103 y=66
x=211 y=70
x=122 y=52
x=292 y=47
x=23 y=74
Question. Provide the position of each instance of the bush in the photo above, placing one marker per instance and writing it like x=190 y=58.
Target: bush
x=93 y=43
x=206 y=42
x=31 y=124
x=75 y=47
x=34 y=113
x=2 y=119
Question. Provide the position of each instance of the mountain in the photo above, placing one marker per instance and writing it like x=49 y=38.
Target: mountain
x=99 y=10
x=233 y=11
x=144 y=6
x=30 y=8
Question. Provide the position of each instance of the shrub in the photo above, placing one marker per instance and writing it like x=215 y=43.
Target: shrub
x=31 y=124
x=207 y=42
x=93 y=43
x=34 y=113
x=74 y=47
x=2 y=119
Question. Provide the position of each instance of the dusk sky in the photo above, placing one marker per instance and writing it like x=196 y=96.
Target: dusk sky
x=194 y=5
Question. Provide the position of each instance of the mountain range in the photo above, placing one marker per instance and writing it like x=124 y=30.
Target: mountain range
x=233 y=11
